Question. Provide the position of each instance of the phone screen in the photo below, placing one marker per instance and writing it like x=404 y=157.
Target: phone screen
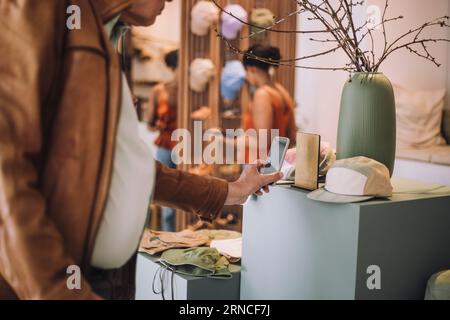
x=276 y=156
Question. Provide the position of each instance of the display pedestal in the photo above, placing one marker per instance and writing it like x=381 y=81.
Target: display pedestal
x=297 y=248
x=185 y=287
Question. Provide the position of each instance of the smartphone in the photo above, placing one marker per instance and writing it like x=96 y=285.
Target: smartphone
x=278 y=149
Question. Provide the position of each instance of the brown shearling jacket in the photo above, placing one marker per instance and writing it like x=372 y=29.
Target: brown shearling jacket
x=59 y=109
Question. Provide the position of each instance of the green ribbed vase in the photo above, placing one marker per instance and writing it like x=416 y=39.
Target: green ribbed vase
x=367 y=121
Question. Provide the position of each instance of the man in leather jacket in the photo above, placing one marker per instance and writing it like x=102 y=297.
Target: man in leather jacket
x=60 y=114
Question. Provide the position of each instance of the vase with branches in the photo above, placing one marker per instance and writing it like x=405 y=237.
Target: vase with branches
x=367 y=118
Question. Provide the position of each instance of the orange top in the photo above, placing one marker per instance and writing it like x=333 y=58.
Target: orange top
x=283 y=113
x=166 y=116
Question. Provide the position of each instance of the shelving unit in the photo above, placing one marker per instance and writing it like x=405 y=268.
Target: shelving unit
x=213 y=48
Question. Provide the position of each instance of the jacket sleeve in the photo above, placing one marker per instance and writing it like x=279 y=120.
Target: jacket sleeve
x=204 y=196
x=33 y=260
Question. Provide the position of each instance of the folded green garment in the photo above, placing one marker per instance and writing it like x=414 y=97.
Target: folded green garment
x=197 y=262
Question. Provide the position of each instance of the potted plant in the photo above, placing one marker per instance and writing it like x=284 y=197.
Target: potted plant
x=367 y=122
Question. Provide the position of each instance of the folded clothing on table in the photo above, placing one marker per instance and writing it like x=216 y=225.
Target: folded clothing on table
x=219 y=235
x=199 y=262
x=228 y=243
x=230 y=248
x=154 y=242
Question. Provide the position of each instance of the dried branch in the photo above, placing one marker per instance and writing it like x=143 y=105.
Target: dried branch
x=289 y=62
x=427 y=56
x=373 y=47
x=322 y=40
x=384 y=21
x=354 y=42
x=316 y=10
x=408 y=46
x=271 y=28
x=435 y=22
x=336 y=17
x=250 y=54
x=416 y=32
x=352 y=25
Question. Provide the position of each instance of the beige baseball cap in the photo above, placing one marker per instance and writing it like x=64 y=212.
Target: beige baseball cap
x=203 y=15
x=262 y=17
x=355 y=180
x=200 y=73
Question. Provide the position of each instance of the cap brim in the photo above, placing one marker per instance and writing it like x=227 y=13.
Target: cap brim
x=326 y=196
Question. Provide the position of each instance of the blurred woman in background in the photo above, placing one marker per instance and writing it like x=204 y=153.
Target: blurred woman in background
x=271 y=106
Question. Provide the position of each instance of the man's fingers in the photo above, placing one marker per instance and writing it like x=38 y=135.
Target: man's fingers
x=259 y=193
x=266 y=189
x=271 y=178
x=259 y=164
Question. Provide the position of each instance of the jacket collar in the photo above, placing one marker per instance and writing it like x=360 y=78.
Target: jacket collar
x=109 y=9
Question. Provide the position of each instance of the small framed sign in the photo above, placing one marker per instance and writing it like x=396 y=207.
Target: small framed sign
x=307 y=164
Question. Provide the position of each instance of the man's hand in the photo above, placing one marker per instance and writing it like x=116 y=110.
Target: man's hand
x=250 y=182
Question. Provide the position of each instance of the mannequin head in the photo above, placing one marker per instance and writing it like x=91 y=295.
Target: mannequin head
x=258 y=72
x=143 y=12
